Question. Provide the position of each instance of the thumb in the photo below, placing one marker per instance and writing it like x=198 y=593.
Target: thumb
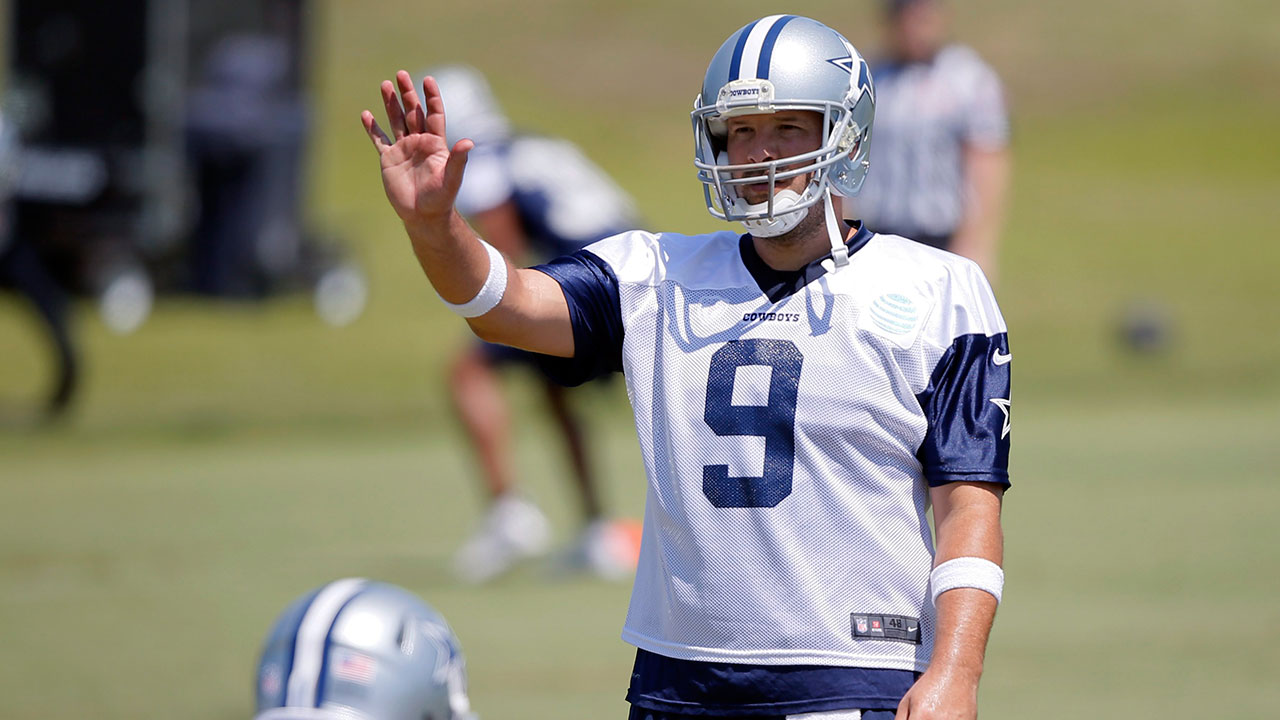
x=456 y=163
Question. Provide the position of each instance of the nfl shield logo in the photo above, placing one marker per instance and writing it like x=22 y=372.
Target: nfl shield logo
x=861 y=623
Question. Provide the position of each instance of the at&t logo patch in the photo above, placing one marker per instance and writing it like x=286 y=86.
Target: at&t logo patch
x=895 y=313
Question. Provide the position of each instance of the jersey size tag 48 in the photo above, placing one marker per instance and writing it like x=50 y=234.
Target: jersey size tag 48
x=898 y=628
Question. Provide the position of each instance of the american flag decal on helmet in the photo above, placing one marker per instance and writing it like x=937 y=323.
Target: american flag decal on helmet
x=355 y=667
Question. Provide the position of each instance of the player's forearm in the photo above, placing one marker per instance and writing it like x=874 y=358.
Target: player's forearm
x=949 y=688
x=532 y=314
x=964 y=620
x=450 y=254
x=968 y=526
x=987 y=182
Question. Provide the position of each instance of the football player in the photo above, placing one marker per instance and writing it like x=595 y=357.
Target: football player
x=803 y=393
x=359 y=649
x=533 y=197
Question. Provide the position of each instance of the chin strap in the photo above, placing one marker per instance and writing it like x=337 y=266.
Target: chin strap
x=839 y=252
x=784 y=219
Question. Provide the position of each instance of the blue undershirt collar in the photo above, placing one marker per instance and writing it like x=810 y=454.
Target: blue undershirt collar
x=778 y=285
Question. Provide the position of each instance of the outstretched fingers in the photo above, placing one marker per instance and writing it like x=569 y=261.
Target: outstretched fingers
x=415 y=121
x=395 y=113
x=379 y=138
x=434 y=102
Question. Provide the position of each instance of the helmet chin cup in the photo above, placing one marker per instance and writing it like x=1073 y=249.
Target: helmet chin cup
x=786 y=214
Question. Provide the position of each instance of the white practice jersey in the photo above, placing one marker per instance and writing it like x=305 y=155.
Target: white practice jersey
x=926 y=115
x=790 y=434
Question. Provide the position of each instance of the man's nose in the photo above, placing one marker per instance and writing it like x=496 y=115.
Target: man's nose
x=762 y=151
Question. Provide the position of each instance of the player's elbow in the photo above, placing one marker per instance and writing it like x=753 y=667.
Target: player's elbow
x=487 y=331
x=493 y=328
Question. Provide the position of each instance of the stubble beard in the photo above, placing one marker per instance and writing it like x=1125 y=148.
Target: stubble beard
x=813 y=224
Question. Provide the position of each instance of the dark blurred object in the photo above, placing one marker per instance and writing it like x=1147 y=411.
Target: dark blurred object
x=165 y=142
x=23 y=272
x=245 y=128
x=1146 y=327
x=893 y=7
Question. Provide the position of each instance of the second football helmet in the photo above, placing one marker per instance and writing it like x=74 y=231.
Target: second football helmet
x=784 y=62
x=470 y=109
x=360 y=650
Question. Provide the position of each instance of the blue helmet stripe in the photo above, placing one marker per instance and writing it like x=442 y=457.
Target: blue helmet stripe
x=735 y=65
x=766 y=50
x=324 y=653
x=287 y=667
x=312 y=635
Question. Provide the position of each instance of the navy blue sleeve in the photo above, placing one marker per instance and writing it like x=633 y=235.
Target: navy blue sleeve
x=967 y=407
x=591 y=289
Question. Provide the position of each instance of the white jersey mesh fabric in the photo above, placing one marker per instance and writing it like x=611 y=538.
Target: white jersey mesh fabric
x=845 y=530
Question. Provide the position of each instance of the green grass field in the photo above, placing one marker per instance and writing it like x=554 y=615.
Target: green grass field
x=226 y=458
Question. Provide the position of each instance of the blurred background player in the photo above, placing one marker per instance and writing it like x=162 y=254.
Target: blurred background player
x=246 y=128
x=360 y=649
x=942 y=165
x=535 y=198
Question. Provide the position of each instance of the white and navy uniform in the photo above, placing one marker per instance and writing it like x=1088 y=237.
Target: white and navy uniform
x=927 y=113
x=791 y=424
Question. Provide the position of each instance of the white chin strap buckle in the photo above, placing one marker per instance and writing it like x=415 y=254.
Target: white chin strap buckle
x=785 y=216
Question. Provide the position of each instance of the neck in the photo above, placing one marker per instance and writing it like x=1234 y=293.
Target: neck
x=807 y=242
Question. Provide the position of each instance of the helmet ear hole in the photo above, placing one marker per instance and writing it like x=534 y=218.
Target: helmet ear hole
x=851 y=140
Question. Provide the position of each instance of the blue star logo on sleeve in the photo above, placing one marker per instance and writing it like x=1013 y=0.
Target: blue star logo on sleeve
x=1003 y=404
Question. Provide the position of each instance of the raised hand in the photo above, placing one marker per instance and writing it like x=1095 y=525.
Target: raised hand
x=420 y=173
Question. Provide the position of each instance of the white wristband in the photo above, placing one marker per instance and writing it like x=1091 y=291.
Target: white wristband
x=970 y=572
x=490 y=293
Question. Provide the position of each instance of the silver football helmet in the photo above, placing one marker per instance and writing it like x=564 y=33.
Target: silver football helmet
x=360 y=650
x=470 y=109
x=784 y=62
